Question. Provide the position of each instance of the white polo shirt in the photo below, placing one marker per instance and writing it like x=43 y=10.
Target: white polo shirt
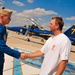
x=56 y=49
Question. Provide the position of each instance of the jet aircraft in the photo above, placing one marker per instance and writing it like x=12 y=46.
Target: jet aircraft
x=36 y=29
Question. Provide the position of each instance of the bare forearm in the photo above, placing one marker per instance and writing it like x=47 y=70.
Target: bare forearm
x=34 y=54
x=61 y=67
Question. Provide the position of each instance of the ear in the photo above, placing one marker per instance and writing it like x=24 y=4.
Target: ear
x=57 y=26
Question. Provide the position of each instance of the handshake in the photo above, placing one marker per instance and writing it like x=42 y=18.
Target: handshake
x=31 y=55
x=23 y=55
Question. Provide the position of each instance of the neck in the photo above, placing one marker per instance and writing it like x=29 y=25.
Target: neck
x=57 y=32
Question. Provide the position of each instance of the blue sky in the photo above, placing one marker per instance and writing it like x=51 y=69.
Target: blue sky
x=41 y=10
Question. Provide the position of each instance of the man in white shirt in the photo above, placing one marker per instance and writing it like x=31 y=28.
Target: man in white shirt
x=56 y=50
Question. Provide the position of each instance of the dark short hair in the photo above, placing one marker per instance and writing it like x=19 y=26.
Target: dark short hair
x=59 y=21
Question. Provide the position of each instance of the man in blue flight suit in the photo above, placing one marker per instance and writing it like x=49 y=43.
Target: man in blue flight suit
x=5 y=17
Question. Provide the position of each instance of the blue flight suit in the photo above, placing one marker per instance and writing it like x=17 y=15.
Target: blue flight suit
x=5 y=49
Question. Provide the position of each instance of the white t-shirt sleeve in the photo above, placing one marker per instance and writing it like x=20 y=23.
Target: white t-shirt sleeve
x=65 y=50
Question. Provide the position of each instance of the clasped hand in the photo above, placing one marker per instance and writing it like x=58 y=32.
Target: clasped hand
x=23 y=55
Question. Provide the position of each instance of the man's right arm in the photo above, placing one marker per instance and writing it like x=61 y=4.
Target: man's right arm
x=34 y=54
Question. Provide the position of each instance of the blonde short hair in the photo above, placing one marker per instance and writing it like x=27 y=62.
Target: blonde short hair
x=6 y=12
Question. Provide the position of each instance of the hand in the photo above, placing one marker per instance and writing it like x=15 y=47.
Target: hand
x=22 y=56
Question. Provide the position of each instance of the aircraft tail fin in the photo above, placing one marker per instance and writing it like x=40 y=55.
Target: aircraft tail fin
x=70 y=32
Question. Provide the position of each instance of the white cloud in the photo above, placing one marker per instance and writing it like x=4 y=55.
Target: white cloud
x=18 y=3
x=20 y=18
x=71 y=18
x=36 y=12
x=30 y=1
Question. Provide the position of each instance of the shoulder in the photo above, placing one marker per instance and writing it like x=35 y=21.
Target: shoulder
x=65 y=39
